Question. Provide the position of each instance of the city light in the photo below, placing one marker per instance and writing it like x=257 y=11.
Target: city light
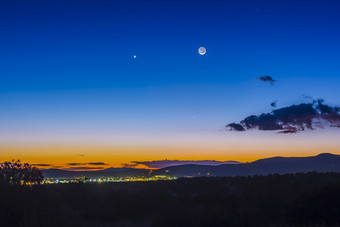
x=107 y=179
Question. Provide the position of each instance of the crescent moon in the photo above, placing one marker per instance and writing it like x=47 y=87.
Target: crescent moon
x=202 y=51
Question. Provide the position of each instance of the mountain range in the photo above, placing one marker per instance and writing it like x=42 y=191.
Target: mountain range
x=324 y=162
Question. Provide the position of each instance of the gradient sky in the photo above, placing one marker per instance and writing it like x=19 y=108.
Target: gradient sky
x=72 y=91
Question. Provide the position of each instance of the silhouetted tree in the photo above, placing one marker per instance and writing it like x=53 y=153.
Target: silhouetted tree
x=17 y=173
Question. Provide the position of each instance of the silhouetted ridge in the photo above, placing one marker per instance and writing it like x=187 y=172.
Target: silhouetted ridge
x=324 y=162
x=327 y=155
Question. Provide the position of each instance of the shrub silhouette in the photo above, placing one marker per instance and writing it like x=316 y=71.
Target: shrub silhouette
x=19 y=173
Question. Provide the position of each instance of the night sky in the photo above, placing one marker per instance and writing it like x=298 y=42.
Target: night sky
x=71 y=89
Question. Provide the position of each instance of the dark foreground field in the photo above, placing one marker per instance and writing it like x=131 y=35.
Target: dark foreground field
x=311 y=199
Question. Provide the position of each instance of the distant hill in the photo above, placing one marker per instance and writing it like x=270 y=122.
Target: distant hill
x=321 y=163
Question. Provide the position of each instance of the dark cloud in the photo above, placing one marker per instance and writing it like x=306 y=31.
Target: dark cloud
x=42 y=165
x=291 y=119
x=307 y=96
x=76 y=164
x=84 y=168
x=97 y=163
x=273 y=104
x=267 y=79
x=128 y=165
x=86 y=163
x=157 y=164
x=236 y=127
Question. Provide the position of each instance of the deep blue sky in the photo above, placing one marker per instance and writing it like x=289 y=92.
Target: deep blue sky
x=56 y=45
x=68 y=66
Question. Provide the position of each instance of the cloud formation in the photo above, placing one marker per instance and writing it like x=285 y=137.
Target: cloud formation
x=97 y=163
x=87 y=163
x=84 y=168
x=45 y=165
x=273 y=104
x=307 y=96
x=158 y=164
x=267 y=79
x=292 y=119
x=41 y=165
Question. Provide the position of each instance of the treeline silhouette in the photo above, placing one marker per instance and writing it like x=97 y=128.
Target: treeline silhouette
x=303 y=199
x=19 y=173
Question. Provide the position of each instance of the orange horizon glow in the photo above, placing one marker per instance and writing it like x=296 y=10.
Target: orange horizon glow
x=59 y=156
x=219 y=146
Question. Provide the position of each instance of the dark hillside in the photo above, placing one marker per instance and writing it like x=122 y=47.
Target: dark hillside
x=311 y=199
